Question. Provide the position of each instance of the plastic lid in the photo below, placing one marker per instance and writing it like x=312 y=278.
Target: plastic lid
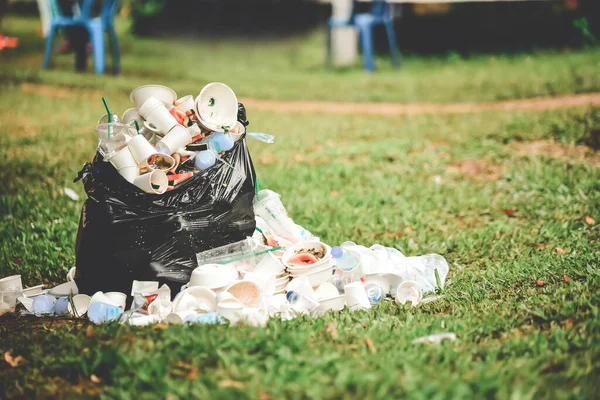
x=290 y=295
x=337 y=252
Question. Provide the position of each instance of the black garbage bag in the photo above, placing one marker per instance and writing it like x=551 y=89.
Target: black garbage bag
x=126 y=234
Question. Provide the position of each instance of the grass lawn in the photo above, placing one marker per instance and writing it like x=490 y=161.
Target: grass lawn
x=512 y=200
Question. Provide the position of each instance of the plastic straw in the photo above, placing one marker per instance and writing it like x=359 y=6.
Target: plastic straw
x=259 y=253
x=137 y=127
x=109 y=116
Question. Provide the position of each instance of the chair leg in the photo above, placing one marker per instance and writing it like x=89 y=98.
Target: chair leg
x=97 y=39
x=48 y=51
x=391 y=34
x=366 y=40
x=114 y=46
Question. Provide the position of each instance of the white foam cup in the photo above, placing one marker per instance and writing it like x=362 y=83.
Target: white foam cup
x=409 y=291
x=356 y=296
x=157 y=114
x=81 y=302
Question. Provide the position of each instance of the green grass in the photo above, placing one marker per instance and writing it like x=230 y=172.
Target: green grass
x=294 y=69
x=387 y=180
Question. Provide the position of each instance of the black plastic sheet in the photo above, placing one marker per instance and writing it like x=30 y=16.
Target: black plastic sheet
x=126 y=234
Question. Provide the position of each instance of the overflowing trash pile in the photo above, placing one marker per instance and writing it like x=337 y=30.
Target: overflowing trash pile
x=175 y=230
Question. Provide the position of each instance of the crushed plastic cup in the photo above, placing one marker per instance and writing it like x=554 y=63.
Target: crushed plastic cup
x=205 y=159
x=161 y=308
x=302 y=286
x=157 y=114
x=155 y=181
x=44 y=304
x=8 y=300
x=61 y=307
x=408 y=291
x=219 y=142
x=229 y=253
x=100 y=313
x=268 y=206
x=374 y=292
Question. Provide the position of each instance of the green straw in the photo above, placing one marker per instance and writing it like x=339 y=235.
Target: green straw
x=137 y=127
x=257 y=189
x=109 y=116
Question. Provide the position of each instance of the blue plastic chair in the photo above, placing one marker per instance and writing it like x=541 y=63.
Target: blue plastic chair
x=380 y=14
x=96 y=28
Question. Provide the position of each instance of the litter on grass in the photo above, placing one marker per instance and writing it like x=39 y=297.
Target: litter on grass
x=269 y=268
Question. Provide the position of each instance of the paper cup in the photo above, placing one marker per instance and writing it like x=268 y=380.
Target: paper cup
x=237 y=131
x=125 y=164
x=326 y=291
x=100 y=297
x=216 y=107
x=356 y=296
x=12 y=282
x=233 y=311
x=141 y=150
x=185 y=103
x=335 y=303
x=177 y=137
x=409 y=291
x=130 y=115
x=81 y=302
x=152 y=182
x=269 y=264
x=117 y=298
x=165 y=94
x=155 y=113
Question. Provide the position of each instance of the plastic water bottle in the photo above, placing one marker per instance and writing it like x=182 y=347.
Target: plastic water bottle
x=302 y=303
x=345 y=259
x=374 y=292
x=100 y=313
